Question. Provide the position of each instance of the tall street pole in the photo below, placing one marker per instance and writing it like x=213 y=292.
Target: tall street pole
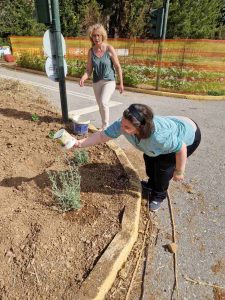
x=166 y=6
x=161 y=43
x=56 y=30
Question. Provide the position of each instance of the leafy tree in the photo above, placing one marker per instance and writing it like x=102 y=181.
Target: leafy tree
x=125 y=18
x=89 y=14
x=69 y=19
x=135 y=18
x=122 y=18
x=17 y=18
x=193 y=19
x=77 y=16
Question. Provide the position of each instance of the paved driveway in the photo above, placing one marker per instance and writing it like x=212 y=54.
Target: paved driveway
x=198 y=203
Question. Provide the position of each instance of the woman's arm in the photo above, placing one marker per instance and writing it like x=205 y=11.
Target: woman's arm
x=89 y=69
x=117 y=66
x=181 y=158
x=97 y=138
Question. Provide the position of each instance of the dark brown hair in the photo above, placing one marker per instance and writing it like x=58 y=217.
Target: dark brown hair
x=141 y=117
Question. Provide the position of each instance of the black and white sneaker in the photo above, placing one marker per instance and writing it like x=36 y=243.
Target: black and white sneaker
x=154 y=206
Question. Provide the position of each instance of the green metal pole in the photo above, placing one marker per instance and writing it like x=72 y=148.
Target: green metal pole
x=56 y=30
x=161 y=42
x=166 y=6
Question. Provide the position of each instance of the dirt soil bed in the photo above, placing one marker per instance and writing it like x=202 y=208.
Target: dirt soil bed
x=46 y=253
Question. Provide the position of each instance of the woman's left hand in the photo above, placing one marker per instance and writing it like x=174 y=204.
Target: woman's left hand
x=178 y=177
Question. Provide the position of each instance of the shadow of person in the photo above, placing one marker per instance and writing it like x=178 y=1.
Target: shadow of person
x=106 y=178
x=95 y=178
x=24 y=115
x=41 y=180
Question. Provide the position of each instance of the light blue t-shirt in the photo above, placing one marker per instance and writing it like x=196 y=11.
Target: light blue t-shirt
x=169 y=135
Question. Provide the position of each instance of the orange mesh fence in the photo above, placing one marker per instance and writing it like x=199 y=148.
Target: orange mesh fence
x=187 y=64
x=185 y=53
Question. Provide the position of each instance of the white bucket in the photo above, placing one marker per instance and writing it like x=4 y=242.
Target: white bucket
x=80 y=126
x=65 y=139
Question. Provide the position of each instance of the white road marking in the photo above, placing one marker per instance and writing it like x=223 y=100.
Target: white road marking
x=79 y=112
x=48 y=87
x=87 y=110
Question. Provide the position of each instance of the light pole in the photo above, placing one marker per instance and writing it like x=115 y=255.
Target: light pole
x=55 y=28
x=48 y=13
x=161 y=42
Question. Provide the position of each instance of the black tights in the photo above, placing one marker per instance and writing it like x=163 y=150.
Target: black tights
x=160 y=169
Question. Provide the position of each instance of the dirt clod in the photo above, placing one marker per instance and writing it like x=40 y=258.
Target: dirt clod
x=172 y=247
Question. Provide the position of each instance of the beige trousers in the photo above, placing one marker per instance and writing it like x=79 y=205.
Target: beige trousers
x=103 y=92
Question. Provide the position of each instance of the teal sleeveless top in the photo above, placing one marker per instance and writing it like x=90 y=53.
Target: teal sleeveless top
x=102 y=67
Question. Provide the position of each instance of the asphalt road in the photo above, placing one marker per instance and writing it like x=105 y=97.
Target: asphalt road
x=198 y=203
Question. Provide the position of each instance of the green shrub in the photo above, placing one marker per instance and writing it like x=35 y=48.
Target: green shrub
x=173 y=78
x=134 y=75
x=66 y=188
x=76 y=68
x=216 y=93
x=80 y=157
x=28 y=60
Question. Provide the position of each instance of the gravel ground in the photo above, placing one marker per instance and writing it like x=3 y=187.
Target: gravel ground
x=198 y=206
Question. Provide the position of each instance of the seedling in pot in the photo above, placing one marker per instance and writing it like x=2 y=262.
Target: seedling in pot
x=35 y=118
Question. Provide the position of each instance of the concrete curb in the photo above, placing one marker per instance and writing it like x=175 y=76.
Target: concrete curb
x=101 y=278
x=131 y=89
x=176 y=95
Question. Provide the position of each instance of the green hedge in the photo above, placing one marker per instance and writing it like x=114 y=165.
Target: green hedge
x=172 y=79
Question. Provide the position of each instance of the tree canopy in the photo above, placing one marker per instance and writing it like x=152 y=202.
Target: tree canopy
x=194 y=19
x=121 y=18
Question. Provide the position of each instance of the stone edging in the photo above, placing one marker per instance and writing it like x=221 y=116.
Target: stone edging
x=101 y=278
x=132 y=89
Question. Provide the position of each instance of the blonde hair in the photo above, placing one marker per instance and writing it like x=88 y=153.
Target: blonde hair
x=100 y=28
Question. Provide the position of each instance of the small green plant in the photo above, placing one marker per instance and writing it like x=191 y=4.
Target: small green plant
x=66 y=187
x=76 y=68
x=80 y=157
x=51 y=134
x=216 y=93
x=35 y=118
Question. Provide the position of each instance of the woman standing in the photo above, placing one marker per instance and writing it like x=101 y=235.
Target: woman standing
x=166 y=141
x=102 y=59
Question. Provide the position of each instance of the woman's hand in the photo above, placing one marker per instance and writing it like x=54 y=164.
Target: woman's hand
x=181 y=158
x=177 y=177
x=77 y=144
x=96 y=138
x=89 y=69
x=121 y=88
x=81 y=82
